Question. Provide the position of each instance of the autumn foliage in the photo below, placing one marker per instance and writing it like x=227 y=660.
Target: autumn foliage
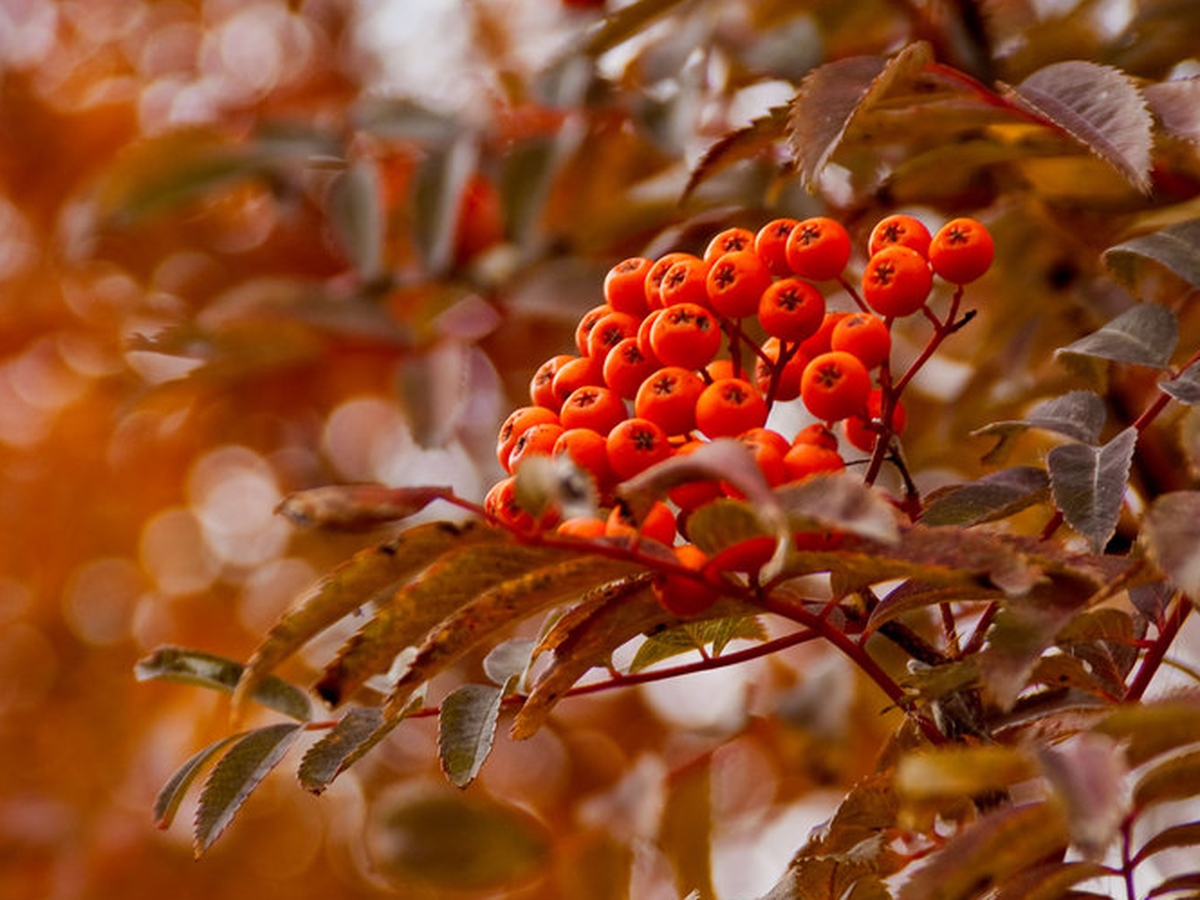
x=620 y=449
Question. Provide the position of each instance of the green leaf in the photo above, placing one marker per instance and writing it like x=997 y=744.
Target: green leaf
x=329 y=756
x=1185 y=835
x=1175 y=778
x=1184 y=387
x=166 y=804
x=354 y=507
x=467 y=728
x=693 y=635
x=1144 y=335
x=1098 y=106
x=997 y=848
x=1171 y=533
x=352 y=585
x=454 y=580
x=1089 y=483
x=1150 y=729
x=219 y=673
x=453 y=842
x=995 y=496
x=834 y=95
x=1079 y=415
x=237 y=774
x=357 y=216
x=1176 y=247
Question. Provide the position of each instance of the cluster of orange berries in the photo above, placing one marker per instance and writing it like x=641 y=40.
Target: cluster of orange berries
x=691 y=348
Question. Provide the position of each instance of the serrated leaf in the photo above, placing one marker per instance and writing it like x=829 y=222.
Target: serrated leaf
x=692 y=636
x=357 y=216
x=1175 y=778
x=219 y=673
x=1150 y=729
x=236 y=775
x=1184 y=387
x=762 y=135
x=832 y=96
x=993 y=497
x=467 y=728
x=1171 y=532
x=451 y=842
x=166 y=804
x=1185 y=835
x=1089 y=484
x=498 y=607
x=351 y=585
x=1144 y=335
x=454 y=580
x=1062 y=670
x=1098 y=106
x=916 y=594
x=961 y=771
x=989 y=852
x=1176 y=247
x=354 y=507
x=1079 y=415
x=330 y=756
x=1176 y=105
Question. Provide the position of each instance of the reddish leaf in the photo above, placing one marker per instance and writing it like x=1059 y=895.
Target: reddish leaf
x=762 y=135
x=1175 y=778
x=1171 y=532
x=1098 y=106
x=1088 y=775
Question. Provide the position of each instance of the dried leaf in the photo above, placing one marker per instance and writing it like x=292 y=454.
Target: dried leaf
x=832 y=96
x=1175 y=778
x=1150 y=729
x=685 y=834
x=1185 y=835
x=1176 y=247
x=467 y=728
x=843 y=503
x=1050 y=881
x=355 y=507
x=207 y=670
x=1089 y=483
x=166 y=804
x=626 y=22
x=961 y=772
x=1171 y=532
x=351 y=585
x=1098 y=106
x=237 y=774
x=1189 y=881
x=762 y=135
x=1144 y=335
x=995 y=496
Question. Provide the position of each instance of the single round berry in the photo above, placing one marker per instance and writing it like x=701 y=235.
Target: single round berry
x=668 y=398
x=728 y=407
x=735 y=283
x=817 y=433
x=610 y=330
x=597 y=408
x=766 y=436
x=626 y=367
x=681 y=595
x=865 y=336
x=586 y=323
x=835 y=385
x=538 y=440
x=685 y=335
x=541 y=386
x=685 y=283
x=658 y=524
x=907 y=231
x=656 y=274
x=961 y=251
x=588 y=449
x=818 y=248
x=791 y=309
x=517 y=423
x=728 y=241
x=625 y=286
x=579 y=372
x=805 y=460
x=634 y=445
x=768 y=456
x=501 y=504
x=770 y=243
x=896 y=281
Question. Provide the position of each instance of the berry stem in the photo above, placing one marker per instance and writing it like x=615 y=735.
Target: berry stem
x=1153 y=659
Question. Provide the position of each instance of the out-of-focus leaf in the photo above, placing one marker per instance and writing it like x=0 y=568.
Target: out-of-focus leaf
x=166 y=804
x=435 y=386
x=1103 y=639
x=353 y=507
x=1175 y=778
x=555 y=482
x=915 y=594
x=1171 y=532
x=1088 y=776
x=1098 y=106
x=723 y=523
x=694 y=635
x=625 y=23
x=1176 y=105
x=456 y=579
x=1184 y=387
x=351 y=585
x=236 y=775
x=762 y=135
x=1062 y=670
x=843 y=503
x=1144 y=335
x=467 y=728
x=961 y=771
x=990 y=852
x=441 y=182
x=207 y=670
x=992 y=497
x=356 y=214
x=834 y=95
x=1078 y=415
x=1150 y=729
x=1089 y=483
x=1177 y=247
x=1050 y=881
x=1186 y=835
x=508 y=659
x=1189 y=881
x=457 y=842
x=501 y=605
x=686 y=831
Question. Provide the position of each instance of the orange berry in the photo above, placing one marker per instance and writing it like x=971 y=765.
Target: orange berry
x=728 y=407
x=818 y=248
x=586 y=323
x=791 y=309
x=634 y=445
x=668 y=398
x=584 y=527
x=610 y=330
x=627 y=366
x=579 y=372
x=657 y=525
x=787 y=382
x=685 y=334
x=735 y=282
x=835 y=385
x=681 y=595
x=770 y=243
x=588 y=449
x=728 y=241
x=896 y=281
x=537 y=440
x=625 y=286
x=517 y=423
x=541 y=386
x=657 y=273
x=907 y=231
x=691 y=495
x=961 y=251
x=804 y=460
x=685 y=283
x=864 y=335
x=597 y=408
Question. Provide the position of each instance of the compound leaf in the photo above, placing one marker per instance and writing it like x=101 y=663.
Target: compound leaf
x=1088 y=484
x=219 y=673
x=693 y=635
x=1144 y=335
x=1098 y=106
x=330 y=756
x=1171 y=532
x=1176 y=247
x=237 y=774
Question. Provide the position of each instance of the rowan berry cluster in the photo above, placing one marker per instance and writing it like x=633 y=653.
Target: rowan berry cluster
x=686 y=349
